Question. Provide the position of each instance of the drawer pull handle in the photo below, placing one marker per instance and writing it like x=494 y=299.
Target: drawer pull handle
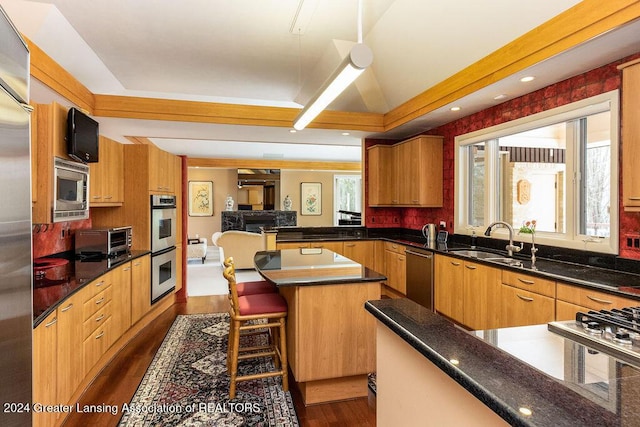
x=136 y=264
x=108 y=197
x=471 y=267
x=53 y=322
x=99 y=318
x=634 y=197
x=100 y=301
x=523 y=298
x=67 y=308
x=126 y=269
x=457 y=264
x=526 y=282
x=350 y=245
x=100 y=283
x=601 y=301
x=100 y=335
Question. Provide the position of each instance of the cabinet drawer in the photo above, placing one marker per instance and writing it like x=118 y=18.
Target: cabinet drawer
x=594 y=300
x=529 y=283
x=394 y=247
x=95 y=303
x=97 y=286
x=96 y=320
x=521 y=308
x=96 y=345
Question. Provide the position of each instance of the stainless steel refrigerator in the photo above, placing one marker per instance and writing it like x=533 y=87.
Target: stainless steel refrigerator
x=16 y=310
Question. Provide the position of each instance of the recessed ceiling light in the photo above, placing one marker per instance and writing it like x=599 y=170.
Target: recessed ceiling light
x=455 y=108
x=499 y=97
x=527 y=79
x=292 y=131
x=345 y=134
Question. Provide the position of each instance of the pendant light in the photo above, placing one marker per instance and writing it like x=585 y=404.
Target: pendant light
x=358 y=59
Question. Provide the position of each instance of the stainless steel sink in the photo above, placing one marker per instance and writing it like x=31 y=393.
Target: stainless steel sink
x=476 y=254
x=488 y=256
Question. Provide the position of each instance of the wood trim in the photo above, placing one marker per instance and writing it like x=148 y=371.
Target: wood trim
x=272 y=164
x=628 y=64
x=586 y=20
x=139 y=140
x=233 y=114
x=50 y=73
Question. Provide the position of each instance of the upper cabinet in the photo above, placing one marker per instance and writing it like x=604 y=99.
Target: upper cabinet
x=107 y=176
x=630 y=135
x=162 y=168
x=408 y=173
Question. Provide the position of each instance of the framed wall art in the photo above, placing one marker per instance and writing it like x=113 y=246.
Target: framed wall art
x=311 y=198
x=200 y=198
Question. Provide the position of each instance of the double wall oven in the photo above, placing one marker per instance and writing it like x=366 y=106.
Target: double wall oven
x=163 y=245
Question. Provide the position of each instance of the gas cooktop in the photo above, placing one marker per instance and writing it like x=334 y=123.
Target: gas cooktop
x=615 y=332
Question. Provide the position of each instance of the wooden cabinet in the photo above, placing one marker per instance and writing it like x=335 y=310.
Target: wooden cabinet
x=467 y=292
x=121 y=300
x=571 y=299
x=449 y=287
x=107 y=176
x=97 y=311
x=70 y=372
x=360 y=251
x=292 y=245
x=381 y=180
x=335 y=246
x=140 y=287
x=526 y=300
x=162 y=170
x=45 y=342
x=408 y=173
x=630 y=136
x=395 y=262
x=481 y=296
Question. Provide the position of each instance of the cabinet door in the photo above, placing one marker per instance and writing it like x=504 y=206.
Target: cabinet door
x=630 y=137
x=113 y=174
x=481 y=296
x=96 y=345
x=396 y=264
x=45 y=341
x=70 y=370
x=449 y=287
x=361 y=252
x=121 y=301
x=382 y=174
x=567 y=311
x=140 y=287
x=522 y=308
x=408 y=159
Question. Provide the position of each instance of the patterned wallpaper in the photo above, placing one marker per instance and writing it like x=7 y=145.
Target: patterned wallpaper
x=591 y=83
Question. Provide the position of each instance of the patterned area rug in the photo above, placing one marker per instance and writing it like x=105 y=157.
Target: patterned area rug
x=187 y=383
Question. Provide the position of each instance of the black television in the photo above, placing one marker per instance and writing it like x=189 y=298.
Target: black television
x=82 y=137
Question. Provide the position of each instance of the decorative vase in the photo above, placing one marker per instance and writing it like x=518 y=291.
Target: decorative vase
x=229 y=203
x=287 y=203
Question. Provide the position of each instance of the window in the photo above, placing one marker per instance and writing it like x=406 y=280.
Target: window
x=558 y=167
x=347 y=190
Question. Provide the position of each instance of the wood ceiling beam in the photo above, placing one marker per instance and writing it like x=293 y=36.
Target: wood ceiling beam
x=272 y=164
x=576 y=25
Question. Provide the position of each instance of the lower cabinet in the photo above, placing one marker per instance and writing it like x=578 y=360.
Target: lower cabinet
x=361 y=251
x=571 y=299
x=449 y=287
x=140 y=287
x=72 y=339
x=521 y=308
x=395 y=262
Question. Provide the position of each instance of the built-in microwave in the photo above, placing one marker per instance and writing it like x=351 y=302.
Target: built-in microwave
x=70 y=190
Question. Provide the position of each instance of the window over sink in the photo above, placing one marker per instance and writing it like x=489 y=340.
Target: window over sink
x=559 y=167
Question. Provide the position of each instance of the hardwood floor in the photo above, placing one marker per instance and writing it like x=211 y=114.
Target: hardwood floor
x=119 y=380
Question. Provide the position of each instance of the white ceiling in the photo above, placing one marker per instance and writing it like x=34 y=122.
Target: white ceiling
x=251 y=52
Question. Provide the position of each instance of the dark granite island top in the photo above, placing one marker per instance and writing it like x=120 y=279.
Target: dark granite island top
x=310 y=267
x=516 y=371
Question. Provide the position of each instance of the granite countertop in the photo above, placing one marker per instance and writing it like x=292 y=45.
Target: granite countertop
x=525 y=367
x=48 y=293
x=582 y=273
x=311 y=267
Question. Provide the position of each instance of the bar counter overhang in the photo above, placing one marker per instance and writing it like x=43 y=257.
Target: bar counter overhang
x=330 y=337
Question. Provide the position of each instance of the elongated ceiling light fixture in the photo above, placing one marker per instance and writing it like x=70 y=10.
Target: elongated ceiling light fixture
x=358 y=59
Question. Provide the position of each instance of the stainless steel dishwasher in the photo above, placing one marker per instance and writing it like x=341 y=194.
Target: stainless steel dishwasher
x=420 y=277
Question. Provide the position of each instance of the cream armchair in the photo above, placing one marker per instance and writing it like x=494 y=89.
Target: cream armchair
x=241 y=245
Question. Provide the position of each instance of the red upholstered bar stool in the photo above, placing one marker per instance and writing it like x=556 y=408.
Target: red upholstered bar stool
x=252 y=287
x=250 y=313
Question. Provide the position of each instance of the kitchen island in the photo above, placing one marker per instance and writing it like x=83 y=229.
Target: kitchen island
x=525 y=376
x=330 y=336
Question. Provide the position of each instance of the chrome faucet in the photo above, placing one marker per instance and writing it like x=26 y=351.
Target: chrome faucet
x=511 y=248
